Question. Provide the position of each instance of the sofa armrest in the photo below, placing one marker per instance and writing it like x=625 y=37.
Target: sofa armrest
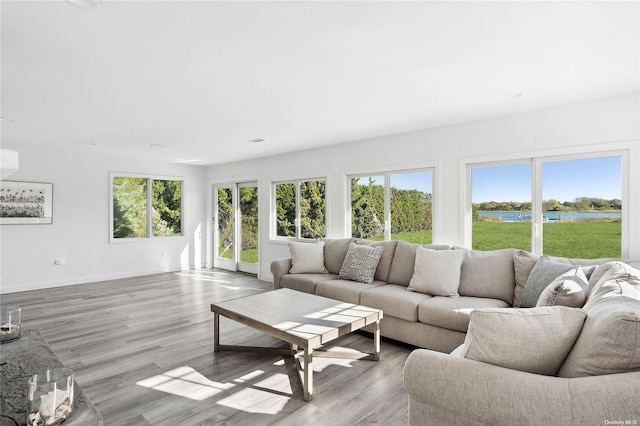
x=279 y=267
x=446 y=389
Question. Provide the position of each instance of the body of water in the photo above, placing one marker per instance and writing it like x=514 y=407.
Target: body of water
x=525 y=216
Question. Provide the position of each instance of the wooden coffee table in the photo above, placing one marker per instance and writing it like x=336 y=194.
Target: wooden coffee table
x=303 y=320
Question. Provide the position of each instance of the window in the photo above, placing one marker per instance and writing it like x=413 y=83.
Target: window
x=393 y=205
x=501 y=207
x=577 y=207
x=140 y=213
x=300 y=208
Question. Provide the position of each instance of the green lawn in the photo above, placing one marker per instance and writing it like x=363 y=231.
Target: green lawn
x=582 y=239
x=249 y=255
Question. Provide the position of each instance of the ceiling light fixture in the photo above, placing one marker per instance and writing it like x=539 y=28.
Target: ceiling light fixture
x=88 y=143
x=256 y=140
x=513 y=95
x=7 y=120
x=157 y=145
x=86 y=4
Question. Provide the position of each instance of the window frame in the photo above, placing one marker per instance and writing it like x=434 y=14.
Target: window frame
x=387 y=197
x=537 y=161
x=149 y=229
x=298 y=228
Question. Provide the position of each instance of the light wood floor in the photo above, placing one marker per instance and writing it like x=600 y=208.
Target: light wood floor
x=142 y=350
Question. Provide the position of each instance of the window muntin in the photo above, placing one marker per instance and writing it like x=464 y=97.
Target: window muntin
x=577 y=208
x=300 y=209
x=140 y=213
x=393 y=205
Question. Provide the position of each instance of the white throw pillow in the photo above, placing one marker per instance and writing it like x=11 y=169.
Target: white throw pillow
x=437 y=272
x=307 y=258
x=569 y=289
x=535 y=340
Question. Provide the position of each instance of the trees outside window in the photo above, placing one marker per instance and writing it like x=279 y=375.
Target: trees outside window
x=140 y=213
x=300 y=208
x=393 y=205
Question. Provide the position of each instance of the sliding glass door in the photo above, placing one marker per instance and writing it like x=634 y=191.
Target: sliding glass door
x=236 y=227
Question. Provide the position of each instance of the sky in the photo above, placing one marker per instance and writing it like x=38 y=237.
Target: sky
x=563 y=180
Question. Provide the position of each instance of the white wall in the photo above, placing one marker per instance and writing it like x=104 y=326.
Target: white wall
x=610 y=123
x=80 y=230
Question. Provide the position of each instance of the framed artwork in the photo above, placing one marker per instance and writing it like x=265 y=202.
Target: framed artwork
x=25 y=202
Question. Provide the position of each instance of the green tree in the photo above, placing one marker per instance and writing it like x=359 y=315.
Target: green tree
x=129 y=207
x=166 y=203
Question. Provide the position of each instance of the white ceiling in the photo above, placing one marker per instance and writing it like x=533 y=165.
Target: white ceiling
x=202 y=78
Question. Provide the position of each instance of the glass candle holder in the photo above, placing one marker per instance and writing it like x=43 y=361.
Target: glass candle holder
x=10 y=323
x=50 y=397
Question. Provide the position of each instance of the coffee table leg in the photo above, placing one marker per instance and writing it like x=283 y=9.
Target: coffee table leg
x=376 y=342
x=216 y=332
x=307 y=384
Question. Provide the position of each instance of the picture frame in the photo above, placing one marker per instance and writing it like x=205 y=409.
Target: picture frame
x=26 y=203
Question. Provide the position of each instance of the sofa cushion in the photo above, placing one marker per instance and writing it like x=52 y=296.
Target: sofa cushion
x=542 y=274
x=610 y=339
x=453 y=312
x=404 y=260
x=346 y=291
x=382 y=271
x=307 y=258
x=523 y=263
x=488 y=274
x=394 y=300
x=335 y=250
x=436 y=272
x=304 y=282
x=534 y=340
x=360 y=263
x=569 y=289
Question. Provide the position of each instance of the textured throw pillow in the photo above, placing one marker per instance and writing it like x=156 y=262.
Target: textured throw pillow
x=534 y=340
x=569 y=289
x=307 y=258
x=360 y=263
x=437 y=272
x=542 y=274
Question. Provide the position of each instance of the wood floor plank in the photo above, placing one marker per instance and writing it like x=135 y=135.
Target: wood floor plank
x=142 y=349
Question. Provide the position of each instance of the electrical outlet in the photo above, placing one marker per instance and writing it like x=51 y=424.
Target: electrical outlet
x=59 y=261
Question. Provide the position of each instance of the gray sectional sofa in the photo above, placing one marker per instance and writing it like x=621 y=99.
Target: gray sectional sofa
x=594 y=381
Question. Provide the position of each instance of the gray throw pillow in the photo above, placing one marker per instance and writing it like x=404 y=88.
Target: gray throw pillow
x=542 y=274
x=569 y=289
x=360 y=263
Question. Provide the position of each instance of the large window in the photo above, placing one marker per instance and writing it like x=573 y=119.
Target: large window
x=560 y=206
x=138 y=212
x=393 y=205
x=300 y=208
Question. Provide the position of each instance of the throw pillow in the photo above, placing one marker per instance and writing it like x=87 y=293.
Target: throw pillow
x=534 y=340
x=307 y=258
x=569 y=289
x=360 y=263
x=542 y=274
x=437 y=272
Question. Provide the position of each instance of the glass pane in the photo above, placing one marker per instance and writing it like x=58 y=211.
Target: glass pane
x=286 y=209
x=367 y=207
x=166 y=213
x=312 y=209
x=582 y=208
x=249 y=224
x=129 y=207
x=501 y=207
x=411 y=209
x=225 y=223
